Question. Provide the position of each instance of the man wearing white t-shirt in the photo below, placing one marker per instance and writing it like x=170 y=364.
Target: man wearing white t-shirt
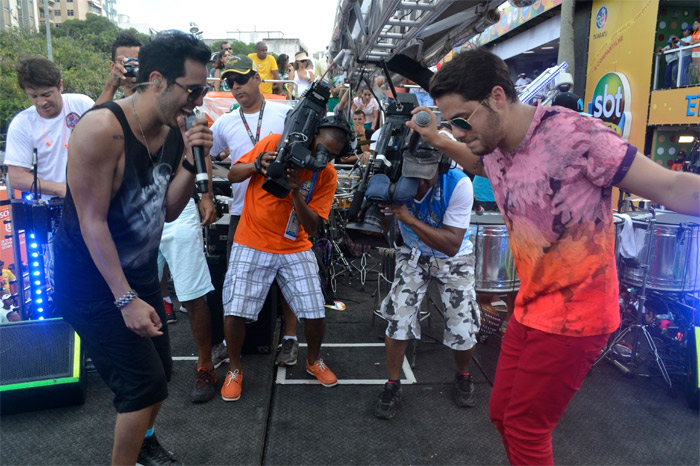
x=235 y=134
x=45 y=126
x=241 y=129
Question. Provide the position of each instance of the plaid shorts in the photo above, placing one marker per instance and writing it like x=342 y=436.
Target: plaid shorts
x=455 y=280
x=251 y=272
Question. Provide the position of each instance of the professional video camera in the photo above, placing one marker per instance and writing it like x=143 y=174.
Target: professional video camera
x=381 y=181
x=294 y=149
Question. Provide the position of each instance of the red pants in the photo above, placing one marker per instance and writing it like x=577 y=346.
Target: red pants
x=536 y=377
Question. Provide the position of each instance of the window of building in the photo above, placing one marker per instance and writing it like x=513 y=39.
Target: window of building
x=57 y=12
x=69 y=12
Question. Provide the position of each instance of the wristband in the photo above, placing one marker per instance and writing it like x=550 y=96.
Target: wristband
x=188 y=166
x=258 y=164
x=122 y=302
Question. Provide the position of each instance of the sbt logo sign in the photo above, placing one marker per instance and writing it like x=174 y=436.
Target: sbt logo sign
x=612 y=101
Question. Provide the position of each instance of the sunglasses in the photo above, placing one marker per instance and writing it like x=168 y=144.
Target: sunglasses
x=240 y=79
x=194 y=92
x=228 y=48
x=461 y=123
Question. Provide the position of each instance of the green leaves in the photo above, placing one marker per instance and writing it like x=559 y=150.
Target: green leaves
x=81 y=50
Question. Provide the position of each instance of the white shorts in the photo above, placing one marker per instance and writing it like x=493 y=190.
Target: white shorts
x=251 y=272
x=182 y=247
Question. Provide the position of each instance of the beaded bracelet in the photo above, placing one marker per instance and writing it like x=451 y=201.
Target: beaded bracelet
x=126 y=299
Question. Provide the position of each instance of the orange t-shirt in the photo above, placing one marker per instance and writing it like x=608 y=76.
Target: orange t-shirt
x=265 y=218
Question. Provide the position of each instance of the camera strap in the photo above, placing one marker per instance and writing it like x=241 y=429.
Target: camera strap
x=255 y=139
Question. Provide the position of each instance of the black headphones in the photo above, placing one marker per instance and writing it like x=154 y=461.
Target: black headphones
x=444 y=165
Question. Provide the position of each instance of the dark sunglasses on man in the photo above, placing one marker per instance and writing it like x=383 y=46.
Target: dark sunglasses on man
x=240 y=79
x=193 y=92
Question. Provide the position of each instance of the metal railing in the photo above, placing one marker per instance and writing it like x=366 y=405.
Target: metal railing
x=679 y=61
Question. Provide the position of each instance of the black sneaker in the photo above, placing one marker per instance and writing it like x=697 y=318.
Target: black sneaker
x=464 y=391
x=388 y=402
x=153 y=454
x=204 y=386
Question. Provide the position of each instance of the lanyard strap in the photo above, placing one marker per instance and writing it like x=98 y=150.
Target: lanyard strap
x=255 y=139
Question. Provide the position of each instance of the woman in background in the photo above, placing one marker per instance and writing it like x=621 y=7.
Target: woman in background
x=301 y=73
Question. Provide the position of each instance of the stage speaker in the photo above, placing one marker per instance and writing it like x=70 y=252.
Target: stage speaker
x=41 y=366
x=259 y=334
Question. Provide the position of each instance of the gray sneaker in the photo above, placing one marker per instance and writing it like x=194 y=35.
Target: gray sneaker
x=288 y=354
x=219 y=355
x=464 y=391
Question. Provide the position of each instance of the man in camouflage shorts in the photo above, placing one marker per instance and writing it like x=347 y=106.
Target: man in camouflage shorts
x=436 y=247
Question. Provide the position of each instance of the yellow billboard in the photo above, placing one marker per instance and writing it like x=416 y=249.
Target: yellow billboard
x=675 y=107
x=620 y=55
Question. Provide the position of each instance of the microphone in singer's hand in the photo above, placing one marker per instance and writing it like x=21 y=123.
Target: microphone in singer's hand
x=422 y=119
x=201 y=177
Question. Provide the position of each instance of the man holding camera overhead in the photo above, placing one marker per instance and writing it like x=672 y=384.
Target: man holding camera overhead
x=272 y=242
x=433 y=225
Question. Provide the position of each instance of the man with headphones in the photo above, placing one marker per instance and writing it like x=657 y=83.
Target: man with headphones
x=436 y=246
x=271 y=243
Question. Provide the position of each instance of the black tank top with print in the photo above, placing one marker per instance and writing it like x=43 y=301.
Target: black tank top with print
x=135 y=218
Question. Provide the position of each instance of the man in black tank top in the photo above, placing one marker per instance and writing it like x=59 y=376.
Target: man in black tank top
x=130 y=169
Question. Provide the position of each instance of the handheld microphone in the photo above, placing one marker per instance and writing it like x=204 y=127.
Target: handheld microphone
x=422 y=119
x=201 y=177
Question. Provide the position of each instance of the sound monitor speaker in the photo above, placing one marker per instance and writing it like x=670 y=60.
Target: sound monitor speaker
x=259 y=334
x=41 y=366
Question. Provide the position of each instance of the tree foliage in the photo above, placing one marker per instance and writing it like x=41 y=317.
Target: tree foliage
x=81 y=50
x=237 y=47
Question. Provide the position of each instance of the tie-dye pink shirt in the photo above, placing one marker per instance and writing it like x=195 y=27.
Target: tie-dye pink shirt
x=554 y=192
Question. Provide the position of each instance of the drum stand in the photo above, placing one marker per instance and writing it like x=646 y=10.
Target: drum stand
x=640 y=327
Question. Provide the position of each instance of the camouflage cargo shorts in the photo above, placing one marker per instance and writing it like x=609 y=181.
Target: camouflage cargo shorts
x=455 y=281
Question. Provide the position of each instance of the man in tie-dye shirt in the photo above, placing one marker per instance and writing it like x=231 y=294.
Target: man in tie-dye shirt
x=552 y=172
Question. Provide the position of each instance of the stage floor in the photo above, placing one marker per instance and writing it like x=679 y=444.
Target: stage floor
x=285 y=417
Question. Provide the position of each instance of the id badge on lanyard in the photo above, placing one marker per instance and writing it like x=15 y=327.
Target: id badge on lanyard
x=292 y=229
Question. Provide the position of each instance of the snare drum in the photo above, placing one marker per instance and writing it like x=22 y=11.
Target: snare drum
x=675 y=243
x=494 y=269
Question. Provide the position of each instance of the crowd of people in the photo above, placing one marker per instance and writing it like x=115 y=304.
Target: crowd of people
x=682 y=66
x=125 y=167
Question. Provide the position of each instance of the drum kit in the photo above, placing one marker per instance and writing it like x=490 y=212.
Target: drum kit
x=659 y=299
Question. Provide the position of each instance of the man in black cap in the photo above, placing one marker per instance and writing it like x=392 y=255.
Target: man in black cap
x=436 y=247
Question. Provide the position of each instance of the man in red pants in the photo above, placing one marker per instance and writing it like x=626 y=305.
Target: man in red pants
x=552 y=172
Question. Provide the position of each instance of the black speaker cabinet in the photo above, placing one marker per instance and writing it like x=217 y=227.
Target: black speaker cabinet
x=259 y=334
x=41 y=366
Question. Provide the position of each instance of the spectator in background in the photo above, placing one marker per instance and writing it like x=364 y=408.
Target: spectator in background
x=8 y=277
x=266 y=66
x=284 y=68
x=122 y=68
x=671 y=62
x=8 y=312
x=220 y=60
x=366 y=102
x=225 y=46
x=301 y=73
x=695 y=40
x=685 y=56
x=522 y=80
x=679 y=162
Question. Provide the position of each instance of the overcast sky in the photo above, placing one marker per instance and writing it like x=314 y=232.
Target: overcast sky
x=310 y=21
